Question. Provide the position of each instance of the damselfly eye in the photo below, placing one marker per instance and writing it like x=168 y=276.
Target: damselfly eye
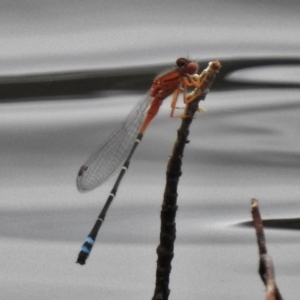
x=191 y=68
x=180 y=62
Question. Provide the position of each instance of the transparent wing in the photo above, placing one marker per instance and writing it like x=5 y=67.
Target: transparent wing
x=113 y=151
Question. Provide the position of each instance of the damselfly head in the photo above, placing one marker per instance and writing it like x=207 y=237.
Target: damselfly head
x=181 y=62
x=187 y=66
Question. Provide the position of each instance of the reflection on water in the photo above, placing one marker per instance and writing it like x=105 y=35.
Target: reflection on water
x=83 y=84
x=292 y=223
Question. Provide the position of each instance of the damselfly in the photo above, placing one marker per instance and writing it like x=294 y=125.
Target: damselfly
x=121 y=144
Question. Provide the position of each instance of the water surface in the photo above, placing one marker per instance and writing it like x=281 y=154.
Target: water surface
x=69 y=76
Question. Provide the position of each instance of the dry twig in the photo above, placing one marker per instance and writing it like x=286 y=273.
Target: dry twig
x=266 y=267
x=169 y=207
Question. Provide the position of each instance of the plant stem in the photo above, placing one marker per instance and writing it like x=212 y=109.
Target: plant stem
x=165 y=249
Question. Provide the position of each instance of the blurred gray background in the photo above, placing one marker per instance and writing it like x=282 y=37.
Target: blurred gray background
x=70 y=71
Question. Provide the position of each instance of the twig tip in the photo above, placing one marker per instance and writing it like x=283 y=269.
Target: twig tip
x=254 y=202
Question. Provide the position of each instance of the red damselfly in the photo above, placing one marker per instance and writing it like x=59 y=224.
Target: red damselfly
x=121 y=144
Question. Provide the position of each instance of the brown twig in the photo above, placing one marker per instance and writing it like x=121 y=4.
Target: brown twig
x=169 y=207
x=266 y=267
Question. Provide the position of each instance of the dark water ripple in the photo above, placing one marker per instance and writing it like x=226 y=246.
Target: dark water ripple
x=291 y=224
x=86 y=84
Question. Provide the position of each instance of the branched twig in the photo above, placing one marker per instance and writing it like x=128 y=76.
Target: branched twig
x=169 y=206
x=266 y=267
